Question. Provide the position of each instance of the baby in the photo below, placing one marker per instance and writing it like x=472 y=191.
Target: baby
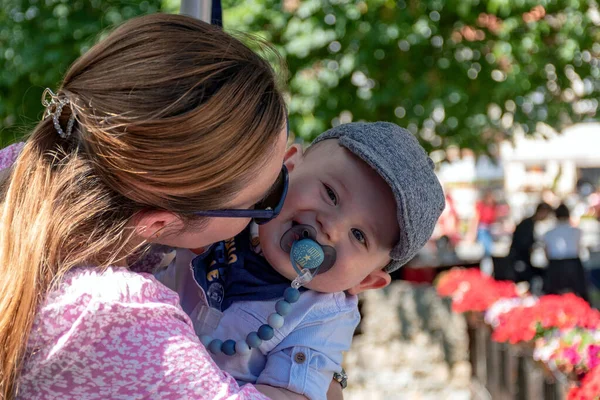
x=368 y=191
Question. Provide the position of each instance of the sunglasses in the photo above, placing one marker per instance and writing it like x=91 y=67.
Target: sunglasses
x=263 y=211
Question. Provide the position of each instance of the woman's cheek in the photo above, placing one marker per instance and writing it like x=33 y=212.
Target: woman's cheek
x=221 y=229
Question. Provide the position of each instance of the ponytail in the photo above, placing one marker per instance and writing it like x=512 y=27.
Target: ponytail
x=48 y=200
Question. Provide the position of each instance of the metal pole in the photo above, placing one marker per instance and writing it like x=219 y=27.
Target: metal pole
x=200 y=9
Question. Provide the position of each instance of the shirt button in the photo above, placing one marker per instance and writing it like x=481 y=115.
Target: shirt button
x=300 y=358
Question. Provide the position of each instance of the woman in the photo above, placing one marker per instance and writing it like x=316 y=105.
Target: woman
x=153 y=129
x=562 y=245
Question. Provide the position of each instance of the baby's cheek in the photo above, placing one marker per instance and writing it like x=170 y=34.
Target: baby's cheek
x=285 y=268
x=329 y=282
x=305 y=195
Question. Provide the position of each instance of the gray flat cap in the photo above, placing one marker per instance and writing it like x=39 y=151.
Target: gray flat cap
x=401 y=161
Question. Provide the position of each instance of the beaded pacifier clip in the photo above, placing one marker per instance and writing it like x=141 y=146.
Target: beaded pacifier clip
x=308 y=258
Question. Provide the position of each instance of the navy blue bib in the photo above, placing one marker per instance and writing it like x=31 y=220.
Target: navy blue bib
x=231 y=271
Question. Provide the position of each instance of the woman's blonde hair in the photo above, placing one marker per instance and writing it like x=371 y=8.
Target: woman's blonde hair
x=171 y=114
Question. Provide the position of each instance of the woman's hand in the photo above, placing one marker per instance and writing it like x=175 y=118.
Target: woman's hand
x=276 y=393
x=333 y=393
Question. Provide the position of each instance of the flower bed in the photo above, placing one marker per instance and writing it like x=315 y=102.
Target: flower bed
x=563 y=329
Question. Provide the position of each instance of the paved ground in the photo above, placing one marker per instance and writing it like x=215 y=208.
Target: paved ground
x=411 y=347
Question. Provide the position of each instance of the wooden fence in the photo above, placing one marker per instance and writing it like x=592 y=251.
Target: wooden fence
x=509 y=372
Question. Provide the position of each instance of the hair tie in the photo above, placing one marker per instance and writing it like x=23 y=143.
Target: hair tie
x=54 y=105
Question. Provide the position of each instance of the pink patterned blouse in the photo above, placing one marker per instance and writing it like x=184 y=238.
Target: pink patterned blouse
x=117 y=334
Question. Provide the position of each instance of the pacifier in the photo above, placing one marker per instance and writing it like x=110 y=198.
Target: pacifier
x=308 y=257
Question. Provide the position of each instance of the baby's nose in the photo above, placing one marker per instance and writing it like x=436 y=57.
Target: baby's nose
x=330 y=227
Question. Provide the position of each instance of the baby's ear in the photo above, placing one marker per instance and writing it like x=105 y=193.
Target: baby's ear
x=375 y=280
x=293 y=157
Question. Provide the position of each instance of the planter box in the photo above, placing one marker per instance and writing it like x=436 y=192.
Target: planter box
x=509 y=371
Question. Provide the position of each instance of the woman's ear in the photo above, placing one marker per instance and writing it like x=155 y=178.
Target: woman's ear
x=150 y=225
x=293 y=157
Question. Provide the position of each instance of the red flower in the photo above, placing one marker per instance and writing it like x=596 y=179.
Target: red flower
x=479 y=296
x=449 y=282
x=551 y=311
x=517 y=325
x=589 y=388
x=471 y=290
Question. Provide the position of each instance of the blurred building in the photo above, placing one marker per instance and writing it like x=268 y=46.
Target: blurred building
x=543 y=166
x=546 y=166
x=566 y=164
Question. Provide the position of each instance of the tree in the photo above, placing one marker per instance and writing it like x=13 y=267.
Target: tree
x=39 y=39
x=452 y=71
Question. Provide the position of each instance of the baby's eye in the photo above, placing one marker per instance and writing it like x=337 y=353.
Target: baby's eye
x=331 y=194
x=358 y=235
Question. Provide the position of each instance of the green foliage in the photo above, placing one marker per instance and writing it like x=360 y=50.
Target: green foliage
x=453 y=71
x=39 y=39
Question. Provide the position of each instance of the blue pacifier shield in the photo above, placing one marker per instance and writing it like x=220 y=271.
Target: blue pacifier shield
x=307 y=254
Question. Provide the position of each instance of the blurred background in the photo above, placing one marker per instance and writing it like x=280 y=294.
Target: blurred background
x=502 y=93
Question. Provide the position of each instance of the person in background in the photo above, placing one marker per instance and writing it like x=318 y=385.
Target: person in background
x=562 y=244
x=548 y=196
x=522 y=244
x=485 y=216
x=448 y=223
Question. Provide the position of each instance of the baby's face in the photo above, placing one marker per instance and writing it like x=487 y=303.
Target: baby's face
x=352 y=209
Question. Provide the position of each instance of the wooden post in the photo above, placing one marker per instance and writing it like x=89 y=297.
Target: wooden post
x=522 y=378
x=493 y=367
x=535 y=387
x=472 y=349
x=509 y=372
x=549 y=390
x=480 y=342
x=503 y=372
